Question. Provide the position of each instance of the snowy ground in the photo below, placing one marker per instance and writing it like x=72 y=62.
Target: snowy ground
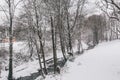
x=100 y=63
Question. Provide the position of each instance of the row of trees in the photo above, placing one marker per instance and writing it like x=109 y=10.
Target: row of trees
x=34 y=16
x=38 y=18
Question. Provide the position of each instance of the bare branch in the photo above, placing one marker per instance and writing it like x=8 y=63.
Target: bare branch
x=5 y=12
x=77 y=12
x=112 y=2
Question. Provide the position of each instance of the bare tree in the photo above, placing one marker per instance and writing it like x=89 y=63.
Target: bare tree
x=111 y=8
x=32 y=9
x=11 y=9
x=10 y=75
x=97 y=25
x=39 y=32
x=70 y=27
x=54 y=46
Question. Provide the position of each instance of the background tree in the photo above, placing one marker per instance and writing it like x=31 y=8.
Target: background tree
x=111 y=9
x=97 y=24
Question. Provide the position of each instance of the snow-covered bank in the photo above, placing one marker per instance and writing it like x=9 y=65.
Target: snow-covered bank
x=100 y=63
x=30 y=67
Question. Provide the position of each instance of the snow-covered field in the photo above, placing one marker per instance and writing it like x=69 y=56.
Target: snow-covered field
x=100 y=63
x=17 y=46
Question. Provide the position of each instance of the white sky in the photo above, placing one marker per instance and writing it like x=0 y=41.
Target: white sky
x=1 y=13
x=92 y=8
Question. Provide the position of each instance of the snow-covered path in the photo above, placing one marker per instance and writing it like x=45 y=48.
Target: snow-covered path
x=100 y=63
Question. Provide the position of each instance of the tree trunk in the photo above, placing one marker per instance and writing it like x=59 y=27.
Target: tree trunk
x=62 y=47
x=40 y=64
x=10 y=74
x=43 y=56
x=61 y=31
x=80 y=47
x=53 y=43
x=69 y=35
x=95 y=36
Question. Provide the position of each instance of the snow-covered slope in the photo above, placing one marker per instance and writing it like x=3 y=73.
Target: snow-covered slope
x=100 y=63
